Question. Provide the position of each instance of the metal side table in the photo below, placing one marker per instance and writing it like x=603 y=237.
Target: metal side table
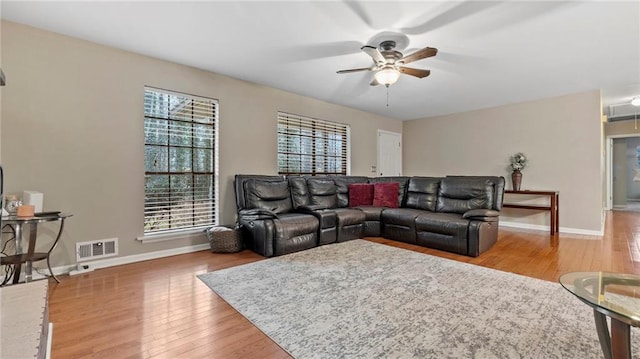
x=18 y=224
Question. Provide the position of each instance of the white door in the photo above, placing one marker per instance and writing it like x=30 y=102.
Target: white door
x=389 y=153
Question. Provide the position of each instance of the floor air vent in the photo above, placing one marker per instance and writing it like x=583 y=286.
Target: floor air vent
x=96 y=249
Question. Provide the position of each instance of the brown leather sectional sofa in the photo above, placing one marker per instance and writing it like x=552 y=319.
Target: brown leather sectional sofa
x=281 y=215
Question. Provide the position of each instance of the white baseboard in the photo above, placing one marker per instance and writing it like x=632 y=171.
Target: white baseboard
x=538 y=227
x=49 y=340
x=116 y=261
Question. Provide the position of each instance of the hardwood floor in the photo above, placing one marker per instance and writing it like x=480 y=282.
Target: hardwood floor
x=159 y=309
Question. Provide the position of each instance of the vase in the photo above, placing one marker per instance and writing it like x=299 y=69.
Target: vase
x=516 y=179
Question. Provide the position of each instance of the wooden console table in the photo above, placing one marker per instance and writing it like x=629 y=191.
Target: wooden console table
x=553 y=207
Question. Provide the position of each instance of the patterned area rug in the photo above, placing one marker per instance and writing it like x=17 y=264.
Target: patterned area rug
x=361 y=299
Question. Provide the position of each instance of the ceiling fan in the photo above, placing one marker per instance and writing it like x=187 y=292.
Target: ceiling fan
x=388 y=63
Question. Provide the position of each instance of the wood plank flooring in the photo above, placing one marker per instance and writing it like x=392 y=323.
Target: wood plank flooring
x=159 y=309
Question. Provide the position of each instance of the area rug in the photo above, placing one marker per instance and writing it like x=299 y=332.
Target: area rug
x=361 y=299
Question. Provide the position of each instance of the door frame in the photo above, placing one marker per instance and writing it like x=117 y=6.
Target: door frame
x=609 y=167
x=378 y=149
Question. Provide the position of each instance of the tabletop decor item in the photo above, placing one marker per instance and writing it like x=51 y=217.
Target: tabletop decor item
x=26 y=210
x=518 y=163
x=12 y=202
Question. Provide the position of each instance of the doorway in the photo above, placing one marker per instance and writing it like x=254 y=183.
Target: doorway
x=623 y=173
x=389 y=154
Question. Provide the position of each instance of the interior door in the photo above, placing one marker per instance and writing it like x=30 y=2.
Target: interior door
x=389 y=153
x=619 y=172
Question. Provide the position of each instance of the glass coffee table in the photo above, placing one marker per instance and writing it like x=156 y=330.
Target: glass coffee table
x=611 y=295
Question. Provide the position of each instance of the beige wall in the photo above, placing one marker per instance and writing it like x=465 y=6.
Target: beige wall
x=560 y=136
x=72 y=128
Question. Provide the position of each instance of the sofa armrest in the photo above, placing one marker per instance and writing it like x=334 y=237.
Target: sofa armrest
x=256 y=214
x=311 y=207
x=486 y=215
x=258 y=234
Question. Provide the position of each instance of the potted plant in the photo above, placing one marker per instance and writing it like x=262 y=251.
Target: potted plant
x=518 y=163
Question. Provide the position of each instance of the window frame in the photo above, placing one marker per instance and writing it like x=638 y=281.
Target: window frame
x=182 y=231
x=316 y=126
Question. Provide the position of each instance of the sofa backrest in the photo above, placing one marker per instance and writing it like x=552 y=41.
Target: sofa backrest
x=299 y=191
x=401 y=190
x=454 y=193
x=461 y=194
x=342 y=187
x=422 y=193
x=239 y=187
x=498 y=189
x=272 y=195
x=322 y=192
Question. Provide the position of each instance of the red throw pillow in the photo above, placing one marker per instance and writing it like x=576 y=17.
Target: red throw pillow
x=360 y=194
x=385 y=194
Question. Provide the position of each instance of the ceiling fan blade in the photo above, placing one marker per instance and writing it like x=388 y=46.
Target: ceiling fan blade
x=374 y=82
x=374 y=53
x=414 y=72
x=354 y=70
x=419 y=55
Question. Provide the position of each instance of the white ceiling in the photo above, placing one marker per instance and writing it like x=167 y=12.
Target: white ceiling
x=490 y=53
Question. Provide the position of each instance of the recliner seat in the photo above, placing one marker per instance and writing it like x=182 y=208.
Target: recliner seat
x=322 y=199
x=372 y=220
x=327 y=231
x=350 y=224
x=275 y=230
x=400 y=224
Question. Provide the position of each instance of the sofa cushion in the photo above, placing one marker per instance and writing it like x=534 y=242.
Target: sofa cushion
x=451 y=224
x=399 y=224
x=386 y=194
x=322 y=191
x=360 y=194
x=400 y=216
x=444 y=231
x=372 y=213
x=422 y=193
x=350 y=216
x=342 y=187
x=460 y=194
x=272 y=195
x=295 y=224
x=350 y=224
x=294 y=232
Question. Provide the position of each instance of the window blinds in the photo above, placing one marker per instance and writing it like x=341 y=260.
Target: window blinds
x=179 y=159
x=309 y=146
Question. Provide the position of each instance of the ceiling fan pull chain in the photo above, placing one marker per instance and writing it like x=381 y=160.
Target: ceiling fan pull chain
x=387 y=95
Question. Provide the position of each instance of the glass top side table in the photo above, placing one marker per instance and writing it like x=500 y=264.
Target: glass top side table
x=611 y=295
x=18 y=224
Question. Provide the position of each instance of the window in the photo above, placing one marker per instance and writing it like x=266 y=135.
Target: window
x=308 y=146
x=180 y=160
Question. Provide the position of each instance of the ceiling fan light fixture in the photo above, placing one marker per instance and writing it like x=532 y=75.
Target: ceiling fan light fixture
x=635 y=101
x=387 y=76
